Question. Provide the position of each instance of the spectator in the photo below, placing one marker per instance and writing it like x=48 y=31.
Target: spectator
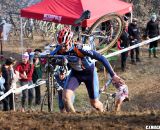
x=25 y=70
x=152 y=30
x=8 y=103
x=124 y=41
x=14 y=76
x=60 y=81
x=37 y=74
x=2 y=81
x=2 y=90
x=134 y=37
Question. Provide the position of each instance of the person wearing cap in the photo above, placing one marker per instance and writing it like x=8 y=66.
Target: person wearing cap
x=37 y=74
x=134 y=38
x=152 y=30
x=25 y=70
x=8 y=103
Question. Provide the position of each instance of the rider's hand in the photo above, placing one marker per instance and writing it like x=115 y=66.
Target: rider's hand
x=117 y=79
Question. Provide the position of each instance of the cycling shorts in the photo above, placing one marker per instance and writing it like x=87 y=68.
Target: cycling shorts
x=89 y=77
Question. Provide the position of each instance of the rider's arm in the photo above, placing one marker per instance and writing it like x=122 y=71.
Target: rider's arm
x=95 y=55
x=58 y=47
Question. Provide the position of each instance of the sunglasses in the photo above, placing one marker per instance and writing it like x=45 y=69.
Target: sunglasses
x=62 y=73
x=65 y=45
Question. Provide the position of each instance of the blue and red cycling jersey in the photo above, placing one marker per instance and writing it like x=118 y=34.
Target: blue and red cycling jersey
x=79 y=59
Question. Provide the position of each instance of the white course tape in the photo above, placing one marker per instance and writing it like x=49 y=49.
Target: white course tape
x=20 y=89
x=6 y=94
x=132 y=47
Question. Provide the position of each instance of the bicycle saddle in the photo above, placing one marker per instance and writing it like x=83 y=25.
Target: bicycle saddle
x=85 y=15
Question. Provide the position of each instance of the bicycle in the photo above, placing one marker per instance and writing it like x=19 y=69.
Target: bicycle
x=51 y=70
x=101 y=38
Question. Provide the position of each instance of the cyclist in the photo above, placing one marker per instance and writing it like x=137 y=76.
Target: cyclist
x=121 y=94
x=82 y=69
x=60 y=81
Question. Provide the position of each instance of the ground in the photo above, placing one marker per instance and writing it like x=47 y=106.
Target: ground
x=142 y=109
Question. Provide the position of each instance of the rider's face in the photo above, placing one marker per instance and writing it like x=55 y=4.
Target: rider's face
x=66 y=47
x=62 y=75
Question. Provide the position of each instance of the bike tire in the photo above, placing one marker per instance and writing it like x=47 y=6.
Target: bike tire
x=106 y=105
x=109 y=104
x=44 y=101
x=118 y=30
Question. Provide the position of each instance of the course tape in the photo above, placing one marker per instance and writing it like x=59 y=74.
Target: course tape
x=20 y=89
x=17 y=90
x=132 y=47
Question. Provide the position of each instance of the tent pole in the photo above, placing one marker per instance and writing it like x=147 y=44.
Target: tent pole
x=21 y=36
x=131 y=16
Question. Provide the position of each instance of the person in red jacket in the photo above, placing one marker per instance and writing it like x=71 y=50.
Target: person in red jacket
x=25 y=70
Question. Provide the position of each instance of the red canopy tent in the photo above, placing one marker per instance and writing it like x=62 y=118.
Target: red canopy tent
x=67 y=11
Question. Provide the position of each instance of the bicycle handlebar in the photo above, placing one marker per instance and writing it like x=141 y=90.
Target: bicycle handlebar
x=61 y=60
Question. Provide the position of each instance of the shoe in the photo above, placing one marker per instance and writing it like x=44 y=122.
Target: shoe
x=123 y=69
x=126 y=99
x=133 y=62
x=155 y=56
x=38 y=103
x=138 y=60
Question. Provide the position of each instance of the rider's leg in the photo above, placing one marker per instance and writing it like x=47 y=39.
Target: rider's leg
x=92 y=84
x=68 y=102
x=118 y=105
x=68 y=93
x=97 y=104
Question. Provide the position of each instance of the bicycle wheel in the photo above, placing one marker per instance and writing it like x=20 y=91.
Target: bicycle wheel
x=109 y=103
x=105 y=32
x=44 y=102
x=48 y=99
x=106 y=105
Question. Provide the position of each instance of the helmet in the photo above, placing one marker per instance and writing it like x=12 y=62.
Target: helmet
x=65 y=36
x=61 y=70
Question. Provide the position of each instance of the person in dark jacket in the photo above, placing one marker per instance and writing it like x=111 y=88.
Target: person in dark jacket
x=2 y=91
x=124 y=42
x=152 y=30
x=37 y=74
x=134 y=38
x=8 y=101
